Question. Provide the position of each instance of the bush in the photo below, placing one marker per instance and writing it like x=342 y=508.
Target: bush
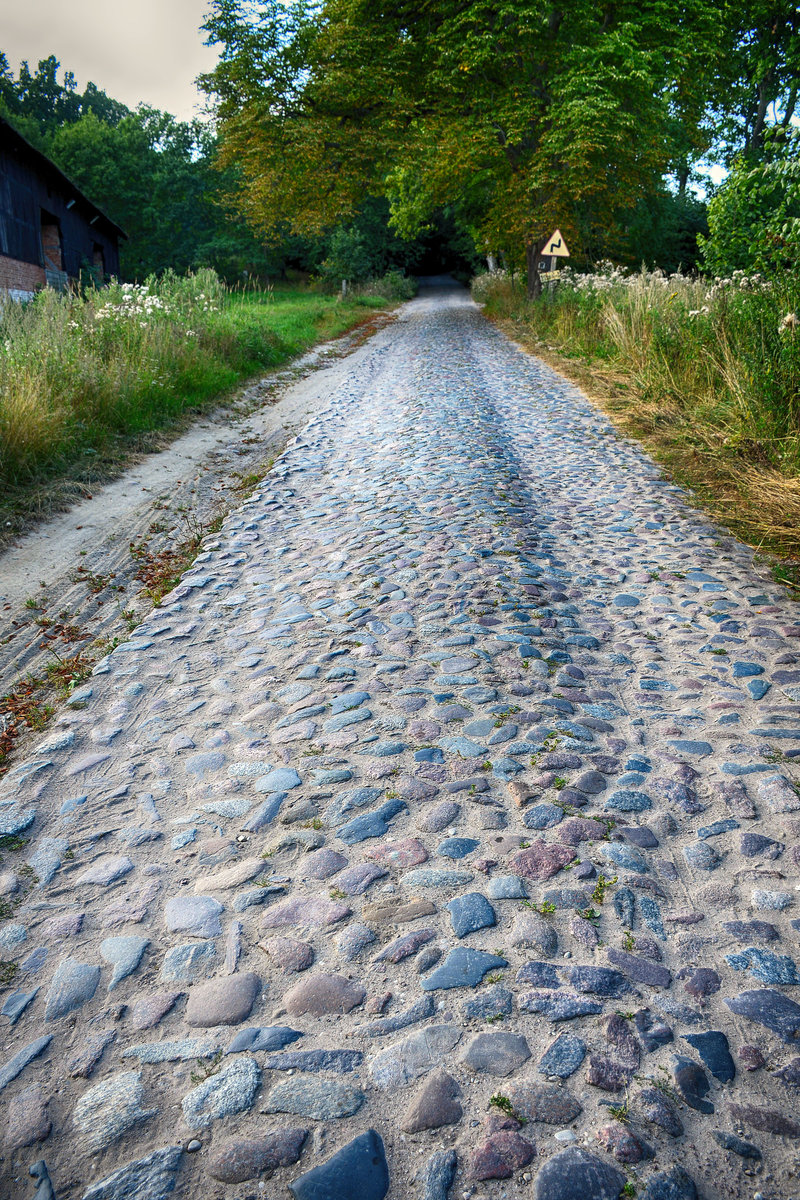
x=394 y=285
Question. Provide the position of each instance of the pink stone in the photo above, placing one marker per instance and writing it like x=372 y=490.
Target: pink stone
x=64 y=926
x=319 y=995
x=623 y=1143
x=243 y=1159
x=405 y=853
x=288 y=953
x=149 y=1011
x=28 y=1121
x=541 y=861
x=224 y=1001
x=310 y=913
x=501 y=1155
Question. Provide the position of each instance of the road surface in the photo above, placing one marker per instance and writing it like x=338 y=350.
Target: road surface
x=438 y=832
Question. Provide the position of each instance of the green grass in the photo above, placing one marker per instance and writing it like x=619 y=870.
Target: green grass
x=706 y=373
x=85 y=378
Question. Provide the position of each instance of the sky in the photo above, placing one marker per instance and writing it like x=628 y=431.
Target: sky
x=135 y=50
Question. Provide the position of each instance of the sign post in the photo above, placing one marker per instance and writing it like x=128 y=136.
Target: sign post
x=555 y=247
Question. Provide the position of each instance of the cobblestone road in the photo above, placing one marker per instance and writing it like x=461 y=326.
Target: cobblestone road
x=437 y=834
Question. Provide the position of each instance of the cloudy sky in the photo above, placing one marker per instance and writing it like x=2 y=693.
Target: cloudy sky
x=137 y=50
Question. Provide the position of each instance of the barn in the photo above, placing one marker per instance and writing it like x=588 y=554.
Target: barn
x=49 y=231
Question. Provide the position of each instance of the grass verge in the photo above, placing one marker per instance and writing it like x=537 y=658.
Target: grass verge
x=705 y=374
x=86 y=382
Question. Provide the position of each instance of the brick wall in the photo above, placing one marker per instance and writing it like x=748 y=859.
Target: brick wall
x=16 y=276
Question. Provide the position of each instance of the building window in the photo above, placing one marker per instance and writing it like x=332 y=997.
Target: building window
x=52 y=251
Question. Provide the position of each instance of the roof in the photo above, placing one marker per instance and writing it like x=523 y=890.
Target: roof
x=12 y=136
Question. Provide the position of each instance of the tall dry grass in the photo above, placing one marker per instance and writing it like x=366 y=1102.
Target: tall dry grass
x=705 y=372
x=82 y=372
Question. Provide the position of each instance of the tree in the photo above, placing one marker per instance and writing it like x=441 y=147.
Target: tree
x=754 y=217
x=519 y=113
x=756 y=87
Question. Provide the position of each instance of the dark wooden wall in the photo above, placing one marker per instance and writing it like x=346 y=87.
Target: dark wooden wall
x=30 y=184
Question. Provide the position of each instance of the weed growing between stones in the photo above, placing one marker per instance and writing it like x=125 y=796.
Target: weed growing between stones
x=501 y=1102
x=601 y=888
x=8 y=973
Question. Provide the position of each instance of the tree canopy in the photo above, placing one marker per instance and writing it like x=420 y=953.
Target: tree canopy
x=524 y=114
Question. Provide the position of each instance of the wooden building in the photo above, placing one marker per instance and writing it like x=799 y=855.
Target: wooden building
x=49 y=231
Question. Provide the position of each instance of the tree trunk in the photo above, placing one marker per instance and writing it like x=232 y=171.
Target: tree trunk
x=532 y=260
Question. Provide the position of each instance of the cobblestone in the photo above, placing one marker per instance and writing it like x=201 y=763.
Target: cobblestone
x=429 y=756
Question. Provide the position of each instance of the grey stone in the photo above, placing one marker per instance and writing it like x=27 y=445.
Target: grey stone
x=563 y=1056
x=432 y=877
x=111 y=1108
x=340 y=1062
x=628 y=801
x=712 y=1046
x=407 y=1060
x=674 y=1184
x=487 y=1004
x=542 y=1102
x=125 y=954
x=601 y=980
x=532 y=931
x=729 y=1141
x=642 y=970
x=540 y=974
x=352 y=940
x=150 y=1178
x=576 y=1174
x=14 y=1005
x=771 y=1009
x=496 y=1053
x=196 y=915
x=463 y=967
x=659 y=1110
x=44 y=1186
x=358 y=1169
x=506 y=887
x=701 y=856
x=271 y=1037
x=435 y=1104
x=558 y=1006
x=179 y=1051
x=692 y=1084
x=320 y=1099
x=777 y=794
x=187 y=963
x=72 y=985
x=107 y=870
x=232 y=1090
x=470 y=913
x=438 y=1174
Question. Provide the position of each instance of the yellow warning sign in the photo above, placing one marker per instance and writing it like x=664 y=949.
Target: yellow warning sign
x=556 y=246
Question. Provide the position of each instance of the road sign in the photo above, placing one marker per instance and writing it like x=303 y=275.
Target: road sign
x=555 y=246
